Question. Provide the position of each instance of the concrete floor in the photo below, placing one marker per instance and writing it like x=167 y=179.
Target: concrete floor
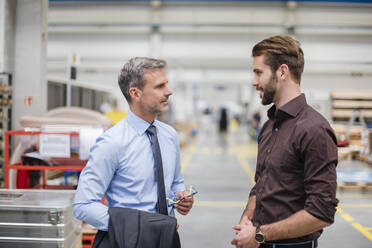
x=221 y=169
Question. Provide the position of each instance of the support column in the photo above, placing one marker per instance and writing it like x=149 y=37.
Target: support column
x=30 y=83
x=7 y=8
x=155 y=42
x=155 y=35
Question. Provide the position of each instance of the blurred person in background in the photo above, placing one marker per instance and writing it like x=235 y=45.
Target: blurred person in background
x=136 y=163
x=207 y=119
x=255 y=124
x=294 y=197
x=223 y=121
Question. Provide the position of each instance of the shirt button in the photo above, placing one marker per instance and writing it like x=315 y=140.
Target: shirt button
x=268 y=150
x=276 y=129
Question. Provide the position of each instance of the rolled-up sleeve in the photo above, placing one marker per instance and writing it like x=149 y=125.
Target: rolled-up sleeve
x=93 y=183
x=319 y=153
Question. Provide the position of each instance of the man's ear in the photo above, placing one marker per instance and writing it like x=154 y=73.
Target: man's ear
x=283 y=71
x=135 y=93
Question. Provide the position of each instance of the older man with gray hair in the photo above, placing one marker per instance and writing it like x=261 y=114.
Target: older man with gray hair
x=136 y=163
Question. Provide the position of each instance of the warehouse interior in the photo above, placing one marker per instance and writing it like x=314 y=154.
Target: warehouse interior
x=59 y=67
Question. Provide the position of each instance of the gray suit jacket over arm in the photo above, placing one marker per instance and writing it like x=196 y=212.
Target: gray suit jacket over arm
x=132 y=228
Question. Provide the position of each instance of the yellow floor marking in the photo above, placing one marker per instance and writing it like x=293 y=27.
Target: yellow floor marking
x=363 y=230
x=252 y=151
x=340 y=196
x=249 y=151
x=228 y=138
x=368 y=228
x=240 y=152
x=357 y=226
x=246 y=167
x=205 y=150
x=347 y=217
x=186 y=160
x=220 y=203
x=219 y=150
x=351 y=205
x=193 y=148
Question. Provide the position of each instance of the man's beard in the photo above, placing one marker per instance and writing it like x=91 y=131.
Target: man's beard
x=270 y=91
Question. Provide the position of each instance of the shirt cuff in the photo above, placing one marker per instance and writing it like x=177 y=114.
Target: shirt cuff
x=322 y=208
x=178 y=187
x=253 y=191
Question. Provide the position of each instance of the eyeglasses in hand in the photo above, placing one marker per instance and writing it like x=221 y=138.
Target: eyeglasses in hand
x=192 y=191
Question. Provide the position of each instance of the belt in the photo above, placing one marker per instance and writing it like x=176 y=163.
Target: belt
x=306 y=244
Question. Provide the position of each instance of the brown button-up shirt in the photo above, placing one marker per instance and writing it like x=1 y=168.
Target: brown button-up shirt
x=296 y=166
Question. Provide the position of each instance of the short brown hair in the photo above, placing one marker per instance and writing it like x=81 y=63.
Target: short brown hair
x=278 y=50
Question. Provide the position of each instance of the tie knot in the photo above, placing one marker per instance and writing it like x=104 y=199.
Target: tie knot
x=151 y=130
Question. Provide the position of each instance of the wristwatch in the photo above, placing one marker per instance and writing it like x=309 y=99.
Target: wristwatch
x=259 y=237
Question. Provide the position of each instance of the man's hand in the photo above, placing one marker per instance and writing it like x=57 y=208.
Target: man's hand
x=245 y=221
x=245 y=235
x=183 y=207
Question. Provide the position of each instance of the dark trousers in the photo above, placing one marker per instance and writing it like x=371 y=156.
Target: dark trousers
x=307 y=244
x=176 y=241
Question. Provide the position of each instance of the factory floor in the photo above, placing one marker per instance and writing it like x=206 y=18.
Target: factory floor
x=221 y=168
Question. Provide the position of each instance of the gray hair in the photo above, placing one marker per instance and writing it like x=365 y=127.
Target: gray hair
x=131 y=75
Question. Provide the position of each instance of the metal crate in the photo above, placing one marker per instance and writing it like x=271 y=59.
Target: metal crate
x=38 y=218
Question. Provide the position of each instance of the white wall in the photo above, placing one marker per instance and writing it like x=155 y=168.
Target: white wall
x=209 y=45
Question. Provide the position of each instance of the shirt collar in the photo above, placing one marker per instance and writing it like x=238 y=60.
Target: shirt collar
x=139 y=124
x=288 y=110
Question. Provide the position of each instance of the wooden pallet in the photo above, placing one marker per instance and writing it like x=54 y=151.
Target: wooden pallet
x=347 y=154
x=354 y=186
x=347 y=113
x=352 y=94
x=351 y=104
x=343 y=103
x=365 y=159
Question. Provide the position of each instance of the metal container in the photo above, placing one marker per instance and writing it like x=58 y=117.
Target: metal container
x=38 y=218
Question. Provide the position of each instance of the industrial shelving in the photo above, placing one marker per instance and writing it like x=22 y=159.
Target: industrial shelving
x=63 y=164
x=5 y=117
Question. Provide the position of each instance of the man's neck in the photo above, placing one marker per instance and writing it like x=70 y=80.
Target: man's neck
x=148 y=117
x=288 y=93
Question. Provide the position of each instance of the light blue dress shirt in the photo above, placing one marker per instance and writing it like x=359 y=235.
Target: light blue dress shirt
x=121 y=166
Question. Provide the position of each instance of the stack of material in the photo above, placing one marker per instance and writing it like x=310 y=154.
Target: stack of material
x=354 y=179
x=73 y=116
x=368 y=157
x=355 y=144
x=63 y=116
x=354 y=133
x=344 y=102
x=354 y=175
x=38 y=219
